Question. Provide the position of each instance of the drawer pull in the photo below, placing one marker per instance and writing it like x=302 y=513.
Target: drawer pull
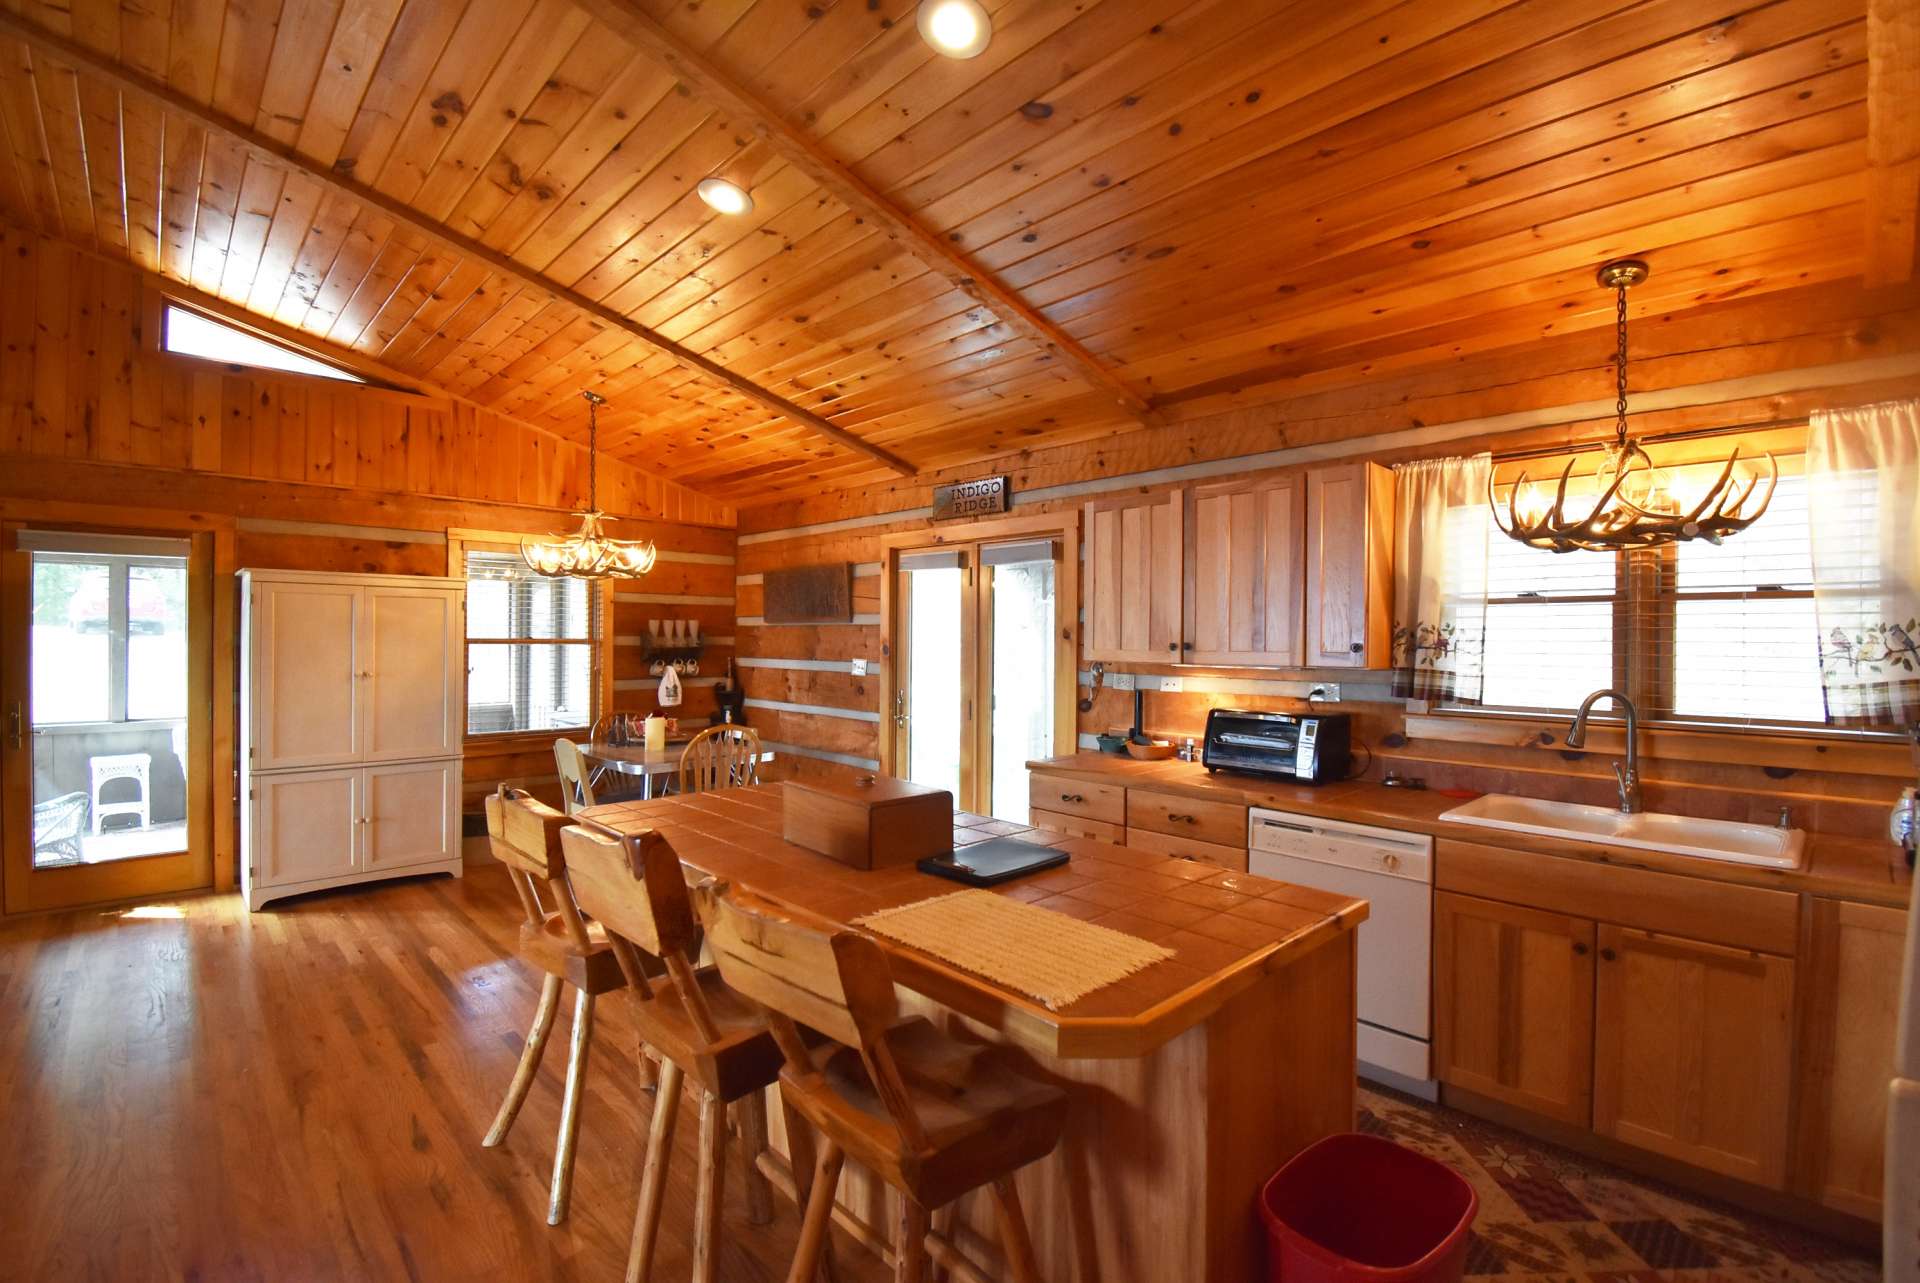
x=1183 y=819
x=1072 y=797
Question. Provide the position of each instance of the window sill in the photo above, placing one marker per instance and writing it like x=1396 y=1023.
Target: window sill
x=1811 y=750
x=521 y=741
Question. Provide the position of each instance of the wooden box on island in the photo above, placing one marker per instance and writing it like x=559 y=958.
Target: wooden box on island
x=870 y=822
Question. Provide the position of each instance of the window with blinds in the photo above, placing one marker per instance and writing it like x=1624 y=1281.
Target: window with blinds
x=529 y=647
x=1692 y=632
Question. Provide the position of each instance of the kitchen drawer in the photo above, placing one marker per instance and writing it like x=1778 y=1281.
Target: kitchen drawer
x=1076 y=825
x=1231 y=858
x=1699 y=908
x=1070 y=796
x=1221 y=823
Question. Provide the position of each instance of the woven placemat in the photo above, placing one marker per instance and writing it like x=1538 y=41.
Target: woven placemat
x=1049 y=955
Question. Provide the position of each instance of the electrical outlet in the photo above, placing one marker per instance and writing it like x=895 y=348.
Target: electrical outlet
x=859 y=668
x=1119 y=681
x=1173 y=684
x=1324 y=692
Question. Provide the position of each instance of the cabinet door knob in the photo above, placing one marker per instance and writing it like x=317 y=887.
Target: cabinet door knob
x=1580 y=948
x=1608 y=955
x=1357 y=647
x=1173 y=646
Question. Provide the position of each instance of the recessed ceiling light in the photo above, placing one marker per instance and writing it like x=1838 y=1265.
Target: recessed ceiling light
x=728 y=198
x=956 y=28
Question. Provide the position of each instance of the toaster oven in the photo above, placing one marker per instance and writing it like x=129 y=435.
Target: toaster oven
x=1312 y=748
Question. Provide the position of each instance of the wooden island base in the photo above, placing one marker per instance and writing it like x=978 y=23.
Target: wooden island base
x=1189 y=1082
x=1159 y=1174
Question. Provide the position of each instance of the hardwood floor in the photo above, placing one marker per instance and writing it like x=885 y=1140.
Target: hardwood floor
x=191 y=1092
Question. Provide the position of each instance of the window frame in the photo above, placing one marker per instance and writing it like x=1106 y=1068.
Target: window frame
x=1646 y=600
x=119 y=630
x=459 y=544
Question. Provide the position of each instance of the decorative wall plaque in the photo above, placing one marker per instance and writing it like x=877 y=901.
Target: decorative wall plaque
x=971 y=498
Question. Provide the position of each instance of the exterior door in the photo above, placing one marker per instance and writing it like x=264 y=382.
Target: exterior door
x=106 y=662
x=410 y=643
x=980 y=687
x=1513 y=1004
x=409 y=814
x=306 y=674
x=1692 y=1052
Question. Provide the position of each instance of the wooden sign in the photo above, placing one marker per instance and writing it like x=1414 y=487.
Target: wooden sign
x=971 y=498
x=809 y=594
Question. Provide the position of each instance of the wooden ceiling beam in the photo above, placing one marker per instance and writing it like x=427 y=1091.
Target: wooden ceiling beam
x=275 y=153
x=1893 y=140
x=806 y=154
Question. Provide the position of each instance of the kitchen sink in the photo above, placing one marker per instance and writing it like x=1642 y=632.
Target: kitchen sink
x=1773 y=848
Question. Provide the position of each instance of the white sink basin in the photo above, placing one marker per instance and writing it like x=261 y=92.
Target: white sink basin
x=1773 y=848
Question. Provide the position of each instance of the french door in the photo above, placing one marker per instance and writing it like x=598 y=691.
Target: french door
x=105 y=694
x=981 y=679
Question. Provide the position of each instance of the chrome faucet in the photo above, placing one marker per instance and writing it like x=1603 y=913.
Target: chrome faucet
x=1628 y=773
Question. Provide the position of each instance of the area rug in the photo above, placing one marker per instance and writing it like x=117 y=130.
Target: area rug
x=1548 y=1214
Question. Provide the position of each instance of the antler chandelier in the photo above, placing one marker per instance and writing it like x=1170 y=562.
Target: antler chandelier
x=590 y=554
x=1636 y=506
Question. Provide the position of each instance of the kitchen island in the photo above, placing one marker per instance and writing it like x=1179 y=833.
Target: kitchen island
x=1189 y=1082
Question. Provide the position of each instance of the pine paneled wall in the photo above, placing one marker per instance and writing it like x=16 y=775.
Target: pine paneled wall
x=80 y=380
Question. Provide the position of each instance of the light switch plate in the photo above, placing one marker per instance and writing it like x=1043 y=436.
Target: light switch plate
x=859 y=668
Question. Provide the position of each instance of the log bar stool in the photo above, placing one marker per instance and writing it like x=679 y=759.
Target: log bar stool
x=700 y=1029
x=525 y=836
x=931 y=1116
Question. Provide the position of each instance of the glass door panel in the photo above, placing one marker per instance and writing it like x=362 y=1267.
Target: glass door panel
x=930 y=699
x=1020 y=605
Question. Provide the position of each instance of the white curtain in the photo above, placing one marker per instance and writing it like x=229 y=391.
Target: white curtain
x=1440 y=526
x=1863 y=482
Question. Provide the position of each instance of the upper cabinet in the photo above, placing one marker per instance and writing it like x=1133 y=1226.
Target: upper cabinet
x=1243 y=585
x=1349 y=566
x=1284 y=569
x=1133 y=578
x=346 y=671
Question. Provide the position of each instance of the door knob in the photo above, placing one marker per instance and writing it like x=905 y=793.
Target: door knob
x=1608 y=955
x=14 y=724
x=1579 y=948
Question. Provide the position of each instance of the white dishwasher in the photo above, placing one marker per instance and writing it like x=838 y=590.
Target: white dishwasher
x=1393 y=871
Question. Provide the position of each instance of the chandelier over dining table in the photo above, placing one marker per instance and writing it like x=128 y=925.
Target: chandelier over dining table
x=1636 y=503
x=589 y=553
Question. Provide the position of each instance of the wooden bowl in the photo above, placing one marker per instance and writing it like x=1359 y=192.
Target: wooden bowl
x=1158 y=751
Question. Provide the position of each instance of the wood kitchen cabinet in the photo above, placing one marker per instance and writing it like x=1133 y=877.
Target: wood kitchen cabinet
x=1849 y=1007
x=1285 y=569
x=1513 y=1004
x=1692 y=1056
x=1349 y=573
x=1244 y=588
x=1134 y=566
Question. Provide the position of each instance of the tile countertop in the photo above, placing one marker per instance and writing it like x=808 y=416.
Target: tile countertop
x=1847 y=868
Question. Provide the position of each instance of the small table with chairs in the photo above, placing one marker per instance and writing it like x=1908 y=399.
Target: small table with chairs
x=721 y=756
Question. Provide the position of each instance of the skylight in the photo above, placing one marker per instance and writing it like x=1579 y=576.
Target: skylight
x=191 y=334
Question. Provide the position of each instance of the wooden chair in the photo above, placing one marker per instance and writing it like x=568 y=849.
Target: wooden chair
x=720 y=757
x=576 y=777
x=931 y=1116
x=525 y=836
x=698 y=1028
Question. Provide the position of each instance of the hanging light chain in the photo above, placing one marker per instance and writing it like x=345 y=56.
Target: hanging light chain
x=1620 y=363
x=595 y=401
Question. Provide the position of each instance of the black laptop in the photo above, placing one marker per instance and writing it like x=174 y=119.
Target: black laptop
x=990 y=863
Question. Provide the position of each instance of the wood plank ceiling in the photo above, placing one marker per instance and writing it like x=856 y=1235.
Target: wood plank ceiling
x=1186 y=199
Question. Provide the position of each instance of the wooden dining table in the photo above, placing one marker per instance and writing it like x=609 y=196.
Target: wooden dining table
x=1190 y=1082
x=646 y=764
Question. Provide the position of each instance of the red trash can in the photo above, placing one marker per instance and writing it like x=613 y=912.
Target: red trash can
x=1354 y=1208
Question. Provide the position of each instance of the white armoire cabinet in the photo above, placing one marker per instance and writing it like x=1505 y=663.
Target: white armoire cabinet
x=352 y=717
